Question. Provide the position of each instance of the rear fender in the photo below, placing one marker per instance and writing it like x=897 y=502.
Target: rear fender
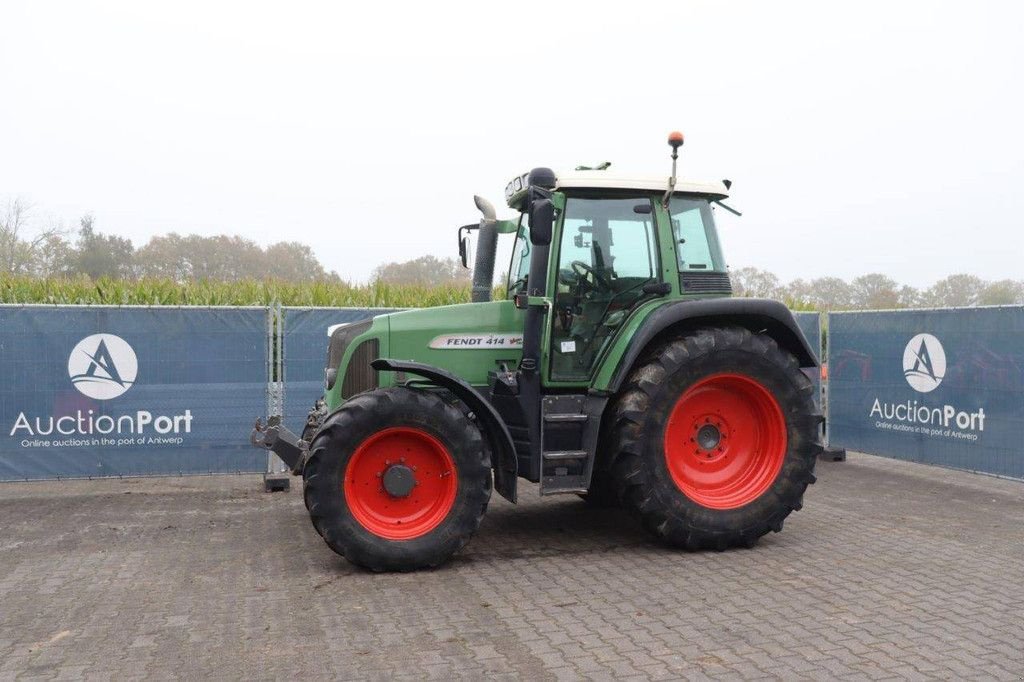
x=771 y=318
x=499 y=439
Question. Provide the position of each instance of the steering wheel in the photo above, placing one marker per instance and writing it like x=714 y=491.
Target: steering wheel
x=582 y=270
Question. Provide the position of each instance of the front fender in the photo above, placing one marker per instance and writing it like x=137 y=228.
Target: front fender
x=504 y=464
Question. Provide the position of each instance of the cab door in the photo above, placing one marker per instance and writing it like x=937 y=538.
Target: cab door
x=607 y=253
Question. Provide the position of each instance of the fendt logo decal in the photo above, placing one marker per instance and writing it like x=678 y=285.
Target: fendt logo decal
x=103 y=366
x=924 y=363
x=476 y=341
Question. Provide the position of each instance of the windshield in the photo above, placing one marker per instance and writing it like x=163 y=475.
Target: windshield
x=519 y=268
x=615 y=237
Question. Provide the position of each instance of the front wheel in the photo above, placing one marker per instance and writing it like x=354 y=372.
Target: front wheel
x=716 y=436
x=397 y=479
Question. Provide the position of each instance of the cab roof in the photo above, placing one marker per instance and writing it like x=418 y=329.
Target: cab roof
x=611 y=180
x=602 y=179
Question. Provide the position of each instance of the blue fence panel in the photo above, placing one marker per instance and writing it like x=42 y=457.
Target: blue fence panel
x=305 y=354
x=810 y=325
x=938 y=386
x=130 y=391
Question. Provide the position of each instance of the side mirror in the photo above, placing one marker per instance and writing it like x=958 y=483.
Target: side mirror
x=542 y=221
x=464 y=243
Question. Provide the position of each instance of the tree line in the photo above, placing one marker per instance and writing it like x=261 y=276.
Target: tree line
x=423 y=271
x=876 y=291
x=53 y=251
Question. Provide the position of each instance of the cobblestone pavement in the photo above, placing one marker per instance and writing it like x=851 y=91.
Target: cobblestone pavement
x=891 y=570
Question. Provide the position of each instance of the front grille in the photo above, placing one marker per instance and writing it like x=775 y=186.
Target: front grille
x=340 y=339
x=705 y=283
x=359 y=376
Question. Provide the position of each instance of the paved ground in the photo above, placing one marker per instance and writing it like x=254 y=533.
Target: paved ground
x=891 y=570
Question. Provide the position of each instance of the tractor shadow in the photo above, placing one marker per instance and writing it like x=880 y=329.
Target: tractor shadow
x=560 y=526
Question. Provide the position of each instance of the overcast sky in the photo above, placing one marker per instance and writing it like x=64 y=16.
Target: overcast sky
x=860 y=136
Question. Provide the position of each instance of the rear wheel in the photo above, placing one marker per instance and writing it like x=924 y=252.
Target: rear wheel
x=716 y=436
x=397 y=479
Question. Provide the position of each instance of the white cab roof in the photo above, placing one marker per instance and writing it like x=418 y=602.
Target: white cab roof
x=602 y=179
x=612 y=180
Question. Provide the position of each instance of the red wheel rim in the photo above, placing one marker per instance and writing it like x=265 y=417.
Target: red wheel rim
x=397 y=459
x=725 y=441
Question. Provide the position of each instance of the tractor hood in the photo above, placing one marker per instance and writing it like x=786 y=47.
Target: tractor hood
x=468 y=339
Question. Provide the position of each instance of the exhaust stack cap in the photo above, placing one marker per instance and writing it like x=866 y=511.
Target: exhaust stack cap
x=485 y=207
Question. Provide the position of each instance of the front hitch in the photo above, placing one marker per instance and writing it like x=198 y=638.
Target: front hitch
x=275 y=437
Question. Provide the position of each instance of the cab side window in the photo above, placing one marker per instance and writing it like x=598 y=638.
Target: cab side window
x=693 y=228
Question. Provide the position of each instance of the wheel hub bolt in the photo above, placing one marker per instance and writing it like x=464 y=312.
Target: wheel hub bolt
x=399 y=480
x=708 y=436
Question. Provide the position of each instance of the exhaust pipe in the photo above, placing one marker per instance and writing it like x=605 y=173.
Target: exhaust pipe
x=486 y=251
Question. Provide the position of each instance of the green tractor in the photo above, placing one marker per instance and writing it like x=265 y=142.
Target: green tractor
x=616 y=367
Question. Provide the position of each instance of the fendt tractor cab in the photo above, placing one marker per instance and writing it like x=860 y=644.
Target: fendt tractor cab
x=616 y=367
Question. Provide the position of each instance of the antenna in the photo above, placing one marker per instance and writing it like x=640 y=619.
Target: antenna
x=675 y=140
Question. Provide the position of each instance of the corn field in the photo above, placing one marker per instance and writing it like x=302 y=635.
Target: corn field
x=83 y=290
x=104 y=291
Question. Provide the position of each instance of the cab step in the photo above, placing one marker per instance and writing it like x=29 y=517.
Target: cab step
x=568 y=443
x=558 y=418
x=566 y=454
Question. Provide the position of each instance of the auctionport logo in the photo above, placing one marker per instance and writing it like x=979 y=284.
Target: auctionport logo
x=103 y=366
x=924 y=363
x=924 y=367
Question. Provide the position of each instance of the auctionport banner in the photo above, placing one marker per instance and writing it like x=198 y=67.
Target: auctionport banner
x=94 y=391
x=306 y=336
x=937 y=386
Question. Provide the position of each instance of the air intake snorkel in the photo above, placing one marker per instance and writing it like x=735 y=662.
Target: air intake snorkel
x=487 y=247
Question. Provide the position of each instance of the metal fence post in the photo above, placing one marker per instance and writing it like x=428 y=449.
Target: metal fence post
x=270 y=378
x=277 y=477
x=829 y=453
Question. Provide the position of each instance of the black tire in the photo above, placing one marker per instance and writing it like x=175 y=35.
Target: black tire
x=603 y=492
x=601 y=495
x=314 y=421
x=341 y=436
x=640 y=420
